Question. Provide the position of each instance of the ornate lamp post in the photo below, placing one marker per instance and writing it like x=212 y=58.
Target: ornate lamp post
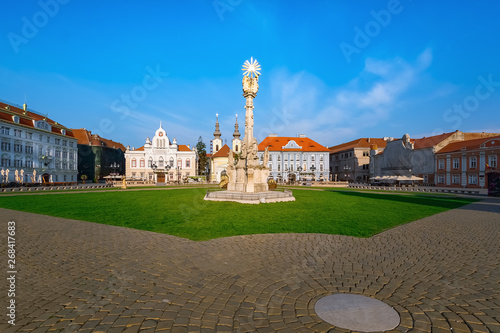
x=179 y=168
x=154 y=167
x=114 y=166
x=167 y=168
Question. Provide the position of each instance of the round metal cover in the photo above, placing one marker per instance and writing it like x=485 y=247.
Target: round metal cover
x=357 y=313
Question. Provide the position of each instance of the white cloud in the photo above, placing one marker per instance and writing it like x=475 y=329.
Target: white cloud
x=332 y=116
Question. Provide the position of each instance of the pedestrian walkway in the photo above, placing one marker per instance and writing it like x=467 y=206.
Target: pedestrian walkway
x=438 y=273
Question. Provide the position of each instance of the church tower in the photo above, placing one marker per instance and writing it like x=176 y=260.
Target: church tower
x=236 y=138
x=217 y=142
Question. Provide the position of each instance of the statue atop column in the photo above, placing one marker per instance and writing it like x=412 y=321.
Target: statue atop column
x=249 y=175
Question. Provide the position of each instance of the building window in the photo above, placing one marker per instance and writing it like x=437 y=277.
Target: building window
x=279 y=167
x=440 y=179
x=134 y=163
x=65 y=155
x=312 y=158
x=160 y=162
x=179 y=162
x=216 y=147
x=188 y=163
x=472 y=162
x=150 y=162
x=5 y=160
x=366 y=153
x=57 y=141
x=18 y=163
x=4 y=130
x=18 y=148
x=171 y=162
x=492 y=161
x=64 y=177
x=321 y=167
x=64 y=142
x=441 y=164
x=29 y=149
x=142 y=175
x=270 y=158
x=456 y=163
x=133 y=174
x=473 y=179
x=58 y=154
x=29 y=163
x=17 y=133
x=236 y=148
x=455 y=179
x=291 y=167
x=142 y=164
x=6 y=146
x=29 y=135
x=48 y=139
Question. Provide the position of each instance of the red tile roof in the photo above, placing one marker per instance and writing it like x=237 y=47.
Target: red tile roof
x=183 y=148
x=471 y=144
x=87 y=138
x=140 y=149
x=277 y=144
x=359 y=143
x=223 y=152
x=7 y=111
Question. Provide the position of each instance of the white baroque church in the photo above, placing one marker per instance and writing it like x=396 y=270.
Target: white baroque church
x=161 y=160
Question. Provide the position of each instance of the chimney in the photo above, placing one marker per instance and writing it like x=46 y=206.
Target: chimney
x=273 y=135
x=302 y=135
x=368 y=140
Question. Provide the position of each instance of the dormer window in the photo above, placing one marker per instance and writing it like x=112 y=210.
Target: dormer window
x=63 y=132
x=43 y=125
x=16 y=119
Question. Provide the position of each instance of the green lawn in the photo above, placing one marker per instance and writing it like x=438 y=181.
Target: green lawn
x=184 y=213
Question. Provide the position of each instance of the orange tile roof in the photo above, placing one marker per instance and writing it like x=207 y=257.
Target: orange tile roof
x=140 y=149
x=359 y=143
x=223 y=152
x=277 y=144
x=26 y=119
x=431 y=140
x=471 y=144
x=183 y=148
x=87 y=138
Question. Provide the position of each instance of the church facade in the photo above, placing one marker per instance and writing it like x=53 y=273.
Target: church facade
x=161 y=160
x=220 y=153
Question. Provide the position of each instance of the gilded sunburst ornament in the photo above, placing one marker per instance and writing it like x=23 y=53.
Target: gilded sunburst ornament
x=251 y=68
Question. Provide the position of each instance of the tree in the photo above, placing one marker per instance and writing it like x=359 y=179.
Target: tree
x=202 y=156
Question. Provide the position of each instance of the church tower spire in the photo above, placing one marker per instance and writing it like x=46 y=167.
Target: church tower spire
x=217 y=142
x=236 y=138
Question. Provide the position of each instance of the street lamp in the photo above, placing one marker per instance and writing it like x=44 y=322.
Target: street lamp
x=313 y=168
x=114 y=166
x=299 y=169
x=167 y=168
x=154 y=167
x=179 y=168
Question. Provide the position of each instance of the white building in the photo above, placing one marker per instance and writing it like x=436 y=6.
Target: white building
x=34 y=148
x=161 y=160
x=295 y=158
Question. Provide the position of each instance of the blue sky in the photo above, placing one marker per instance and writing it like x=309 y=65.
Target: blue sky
x=333 y=70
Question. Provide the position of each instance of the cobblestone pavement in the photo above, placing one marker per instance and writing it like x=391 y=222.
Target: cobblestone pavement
x=439 y=273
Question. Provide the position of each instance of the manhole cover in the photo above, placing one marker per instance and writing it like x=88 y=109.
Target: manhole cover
x=357 y=313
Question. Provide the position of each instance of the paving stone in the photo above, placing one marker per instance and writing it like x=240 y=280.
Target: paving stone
x=440 y=272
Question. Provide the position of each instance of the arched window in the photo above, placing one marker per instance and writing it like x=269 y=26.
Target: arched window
x=160 y=162
x=279 y=167
x=179 y=162
x=134 y=163
x=188 y=163
x=171 y=162
x=142 y=163
x=216 y=147
x=236 y=148
x=150 y=162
